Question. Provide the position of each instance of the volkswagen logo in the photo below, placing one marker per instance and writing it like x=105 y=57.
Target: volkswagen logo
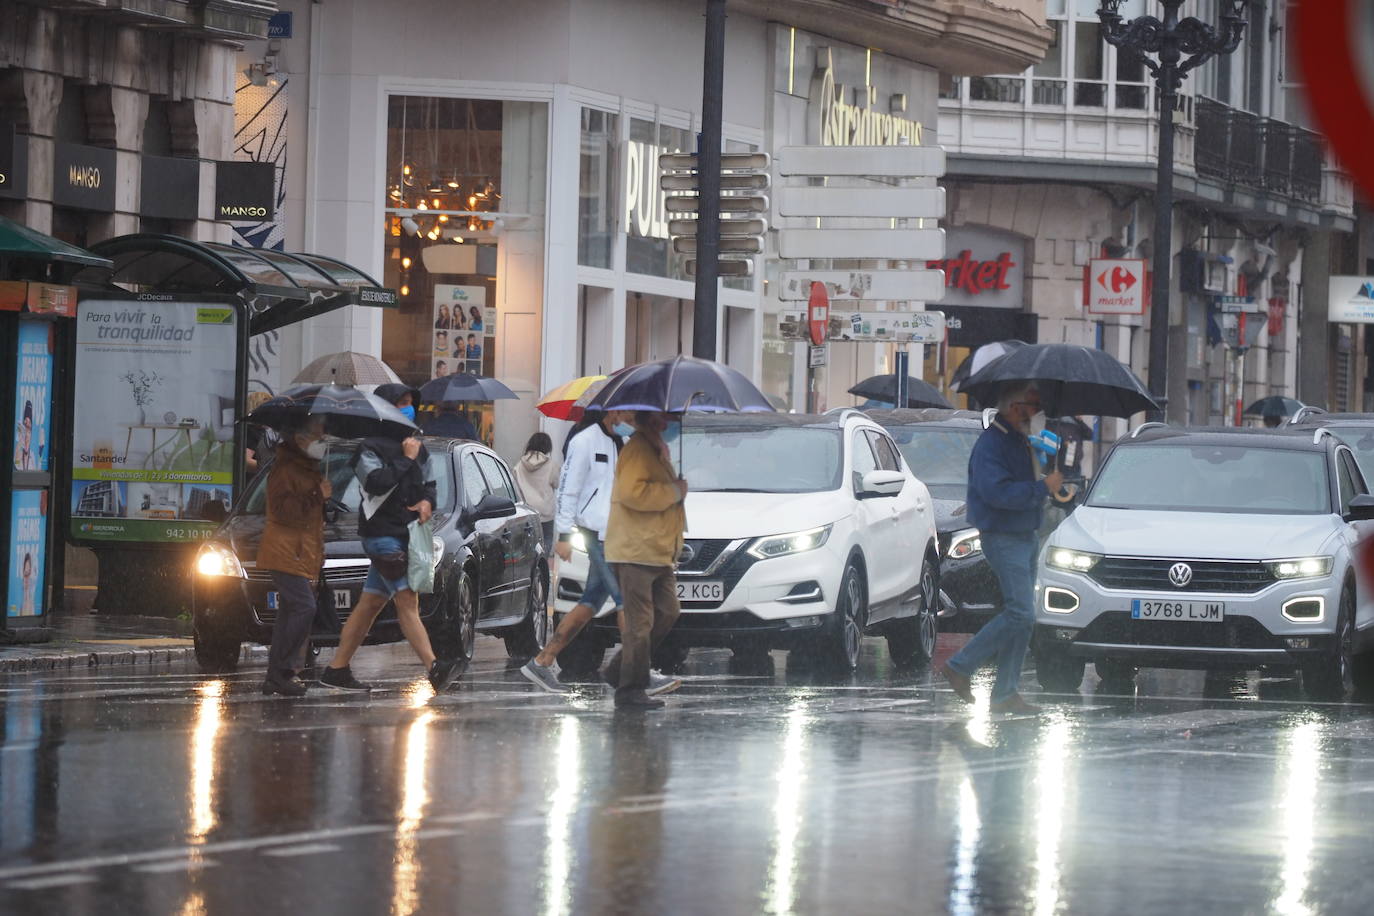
x=686 y=555
x=1181 y=574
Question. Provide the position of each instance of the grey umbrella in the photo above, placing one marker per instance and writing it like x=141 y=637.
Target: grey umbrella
x=346 y=368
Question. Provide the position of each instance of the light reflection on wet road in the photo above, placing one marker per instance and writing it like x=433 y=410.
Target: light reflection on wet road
x=772 y=792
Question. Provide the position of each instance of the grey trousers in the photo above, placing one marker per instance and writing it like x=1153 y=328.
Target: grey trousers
x=295 y=617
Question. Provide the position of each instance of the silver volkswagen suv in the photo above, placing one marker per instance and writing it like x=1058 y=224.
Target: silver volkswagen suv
x=1211 y=548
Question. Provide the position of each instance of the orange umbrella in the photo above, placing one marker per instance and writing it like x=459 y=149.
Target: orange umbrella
x=559 y=402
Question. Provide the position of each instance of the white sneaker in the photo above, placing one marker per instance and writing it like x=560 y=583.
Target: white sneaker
x=543 y=677
x=661 y=683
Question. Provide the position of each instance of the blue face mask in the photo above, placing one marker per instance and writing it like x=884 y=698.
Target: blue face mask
x=623 y=430
x=408 y=411
x=672 y=432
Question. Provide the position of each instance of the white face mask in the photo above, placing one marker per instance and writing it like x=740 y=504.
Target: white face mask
x=1037 y=423
x=316 y=450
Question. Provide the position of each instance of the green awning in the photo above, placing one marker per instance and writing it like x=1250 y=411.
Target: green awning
x=19 y=241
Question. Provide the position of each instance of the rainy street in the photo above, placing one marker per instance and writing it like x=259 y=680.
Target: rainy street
x=132 y=791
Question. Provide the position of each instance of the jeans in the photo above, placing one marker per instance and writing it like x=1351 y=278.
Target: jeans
x=376 y=583
x=295 y=617
x=1007 y=636
x=601 y=583
x=546 y=531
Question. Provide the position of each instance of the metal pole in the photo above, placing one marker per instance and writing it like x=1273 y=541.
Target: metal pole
x=1164 y=226
x=708 y=183
x=902 y=366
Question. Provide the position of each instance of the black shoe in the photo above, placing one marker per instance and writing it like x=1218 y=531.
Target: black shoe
x=636 y=699
x=283 y=684
x=342 y=679
x=441 y=672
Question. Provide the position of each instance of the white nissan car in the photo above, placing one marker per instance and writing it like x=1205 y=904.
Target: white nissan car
x=1212 y=548
x=803 y=532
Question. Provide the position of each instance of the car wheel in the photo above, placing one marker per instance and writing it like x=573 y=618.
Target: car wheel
x=1057 y=671
x=911 y=640
x=1333 y=677
x=525 y=640
x=837 y=645
x=456 y=637
x=1114 y=671
x=216 y=652
x=581 y=658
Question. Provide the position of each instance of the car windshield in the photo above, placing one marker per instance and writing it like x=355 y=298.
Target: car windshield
x=1361 y=442
x=937 y=456
x=787 y=459
x=1214 y=478
x=347 y=490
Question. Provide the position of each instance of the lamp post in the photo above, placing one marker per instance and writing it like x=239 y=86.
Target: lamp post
x=1178 y=46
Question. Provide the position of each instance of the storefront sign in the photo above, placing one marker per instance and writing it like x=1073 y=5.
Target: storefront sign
x=463 y=327
x=645 y=214
x=33 y=396
x=154 y=432
x=973 y=326
x=1351 y=300
x=984 y=268
x=27 y=561
x=1115 y=287
x=245 y=191
x=32 y=296
x=83 y=177
x=170 y=188
x=835 y=122
x=280 y=25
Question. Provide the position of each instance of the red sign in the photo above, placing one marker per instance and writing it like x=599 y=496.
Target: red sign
x=1115 y=286
x=1278 y=308
x=818 y=314
x=974 y=277
x=1340 y=97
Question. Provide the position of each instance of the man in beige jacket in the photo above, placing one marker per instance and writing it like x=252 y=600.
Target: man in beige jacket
x=643 y=539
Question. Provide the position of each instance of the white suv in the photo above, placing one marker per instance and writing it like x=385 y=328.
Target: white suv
x=803 y=532
x=1211 y=548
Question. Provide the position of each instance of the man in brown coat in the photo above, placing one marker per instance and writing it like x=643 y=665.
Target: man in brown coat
x=292 y=548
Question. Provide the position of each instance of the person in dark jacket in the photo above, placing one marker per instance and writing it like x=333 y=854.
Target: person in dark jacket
x=397 y=490
x=292 y=548
x=450 y=423
x=1005 y=504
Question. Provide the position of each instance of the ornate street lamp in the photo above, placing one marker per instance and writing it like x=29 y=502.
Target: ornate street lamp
x=1178 y=46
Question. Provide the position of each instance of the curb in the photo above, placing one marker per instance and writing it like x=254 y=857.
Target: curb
x=108 y=658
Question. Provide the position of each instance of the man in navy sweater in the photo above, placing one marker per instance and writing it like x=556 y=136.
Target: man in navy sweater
x=1005 y=503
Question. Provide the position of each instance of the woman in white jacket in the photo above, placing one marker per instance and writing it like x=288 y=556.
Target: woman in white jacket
x=537 y=474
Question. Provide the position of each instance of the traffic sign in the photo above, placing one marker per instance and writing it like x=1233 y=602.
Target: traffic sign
x=729 y=228
x=1116 y=286
x=818 y=313
x=919 y=285
x=1237 y=305
x=912 y=203
x=869 y=244
x=742 y=245
x=892 y=327
x=893 y=161
x=816 y=356
x=1330 y=38
x=692 y=204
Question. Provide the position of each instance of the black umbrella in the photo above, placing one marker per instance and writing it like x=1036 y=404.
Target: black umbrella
x=462 y=386
x=348 y=412
x=884 y=388
x=680 y=383
x=980 y=358
x=1274 y=406
x=1072 y=380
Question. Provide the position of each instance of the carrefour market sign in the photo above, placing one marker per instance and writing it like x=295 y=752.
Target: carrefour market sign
x=1352 y=300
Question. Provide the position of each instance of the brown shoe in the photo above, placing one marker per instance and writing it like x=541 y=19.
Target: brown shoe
x=1016 y=705
x=958 y=682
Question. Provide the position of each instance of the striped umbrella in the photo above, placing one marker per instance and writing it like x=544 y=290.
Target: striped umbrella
x=561 y=402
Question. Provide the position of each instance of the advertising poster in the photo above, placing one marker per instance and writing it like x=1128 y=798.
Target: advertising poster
x=33 y=396
x=463 y=327
x=28 y=539
x=153 y=418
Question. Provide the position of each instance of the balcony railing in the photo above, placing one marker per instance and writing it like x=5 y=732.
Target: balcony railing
x=1245 y=149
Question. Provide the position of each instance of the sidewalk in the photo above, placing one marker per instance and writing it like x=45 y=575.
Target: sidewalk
x=84 y=641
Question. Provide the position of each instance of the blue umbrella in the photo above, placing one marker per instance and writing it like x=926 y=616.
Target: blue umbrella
x=681 y=383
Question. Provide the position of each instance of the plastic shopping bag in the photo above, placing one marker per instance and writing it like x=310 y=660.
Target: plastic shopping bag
x=420 y=558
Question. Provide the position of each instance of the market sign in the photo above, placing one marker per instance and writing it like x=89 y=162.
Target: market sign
x=83 y=177
x=154 y=424
x=983 y=267
x=1115 y=286
x=245 y=191
x=1351 y=300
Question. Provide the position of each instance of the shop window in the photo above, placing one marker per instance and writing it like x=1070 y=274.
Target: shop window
x=647 y=247
x=596 y=187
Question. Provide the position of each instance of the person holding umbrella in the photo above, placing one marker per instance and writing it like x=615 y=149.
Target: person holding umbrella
x=450 y=422
x=1005 y=504
x=397 y=490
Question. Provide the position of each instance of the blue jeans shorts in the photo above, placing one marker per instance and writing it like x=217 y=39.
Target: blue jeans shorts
x=376 y=583
x=601 y=582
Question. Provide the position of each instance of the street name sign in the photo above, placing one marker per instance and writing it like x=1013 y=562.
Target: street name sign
x=1116 y=286
x=1236 y=305
x=911 y=203
x=889 y=327
x=869 y=244
x=869 y=285
x=816 y=356
x=865 y=161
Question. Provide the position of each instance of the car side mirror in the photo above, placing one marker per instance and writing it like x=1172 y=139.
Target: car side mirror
x=492 y=506
x=1361 y=509
x=882 y=483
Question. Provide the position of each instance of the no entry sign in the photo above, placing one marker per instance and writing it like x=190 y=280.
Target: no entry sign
x=1331 y=37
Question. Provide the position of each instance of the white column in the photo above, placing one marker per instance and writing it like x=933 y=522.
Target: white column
x=559 y=349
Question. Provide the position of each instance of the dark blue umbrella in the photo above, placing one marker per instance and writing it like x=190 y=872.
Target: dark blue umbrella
x=919 y=393
x=680 y=383
x=1072 y=381
x=462 y=386
x=348 y=412
x=1274 y=406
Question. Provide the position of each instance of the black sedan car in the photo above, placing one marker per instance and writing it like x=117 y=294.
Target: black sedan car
x=935 y=443
x=491 y=575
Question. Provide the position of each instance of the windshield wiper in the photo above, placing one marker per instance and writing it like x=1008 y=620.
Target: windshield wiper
x=733 y=490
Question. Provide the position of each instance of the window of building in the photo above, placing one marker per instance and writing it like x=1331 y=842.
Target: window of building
x=597 y=172
x=647 y=246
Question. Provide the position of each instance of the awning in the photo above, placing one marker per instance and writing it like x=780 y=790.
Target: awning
x=20 y=242
x=279 y=288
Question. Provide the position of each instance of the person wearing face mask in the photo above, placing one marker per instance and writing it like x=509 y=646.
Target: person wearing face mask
x=292 y=547
x=1006 y=503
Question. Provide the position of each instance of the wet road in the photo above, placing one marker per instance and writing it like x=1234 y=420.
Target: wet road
x=131 y=792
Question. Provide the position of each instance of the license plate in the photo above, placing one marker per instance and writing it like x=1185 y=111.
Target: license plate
x=700 y=591
x=1211 y=611
x=343 y=599
x=272 y=601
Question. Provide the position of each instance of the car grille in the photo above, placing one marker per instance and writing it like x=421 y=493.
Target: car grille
x=1119 y=628
x=331 y=574
x=703 y=554
x=1149 y=574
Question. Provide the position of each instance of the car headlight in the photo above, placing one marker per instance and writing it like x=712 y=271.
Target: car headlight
x=1072 y=560
x=218 y=560
x=438 y=545
x=1301 y=568
x=578 y=540
x=780 y=545
x=964 y=543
